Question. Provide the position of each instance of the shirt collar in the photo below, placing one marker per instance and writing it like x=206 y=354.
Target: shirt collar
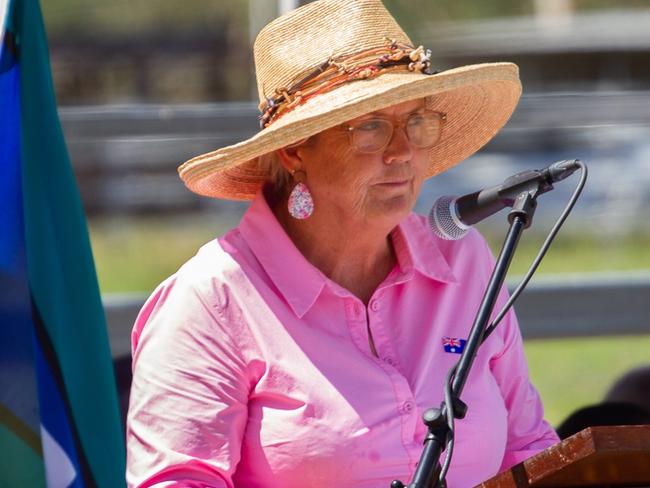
x=296 y=278
x=300 y=282
x=417 y=249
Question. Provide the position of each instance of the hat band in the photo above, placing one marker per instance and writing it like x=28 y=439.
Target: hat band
x=336 y=71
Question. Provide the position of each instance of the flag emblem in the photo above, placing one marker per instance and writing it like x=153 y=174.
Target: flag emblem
x=453 y=345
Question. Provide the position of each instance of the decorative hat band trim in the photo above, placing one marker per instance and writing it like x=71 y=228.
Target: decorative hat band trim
x=336 y=71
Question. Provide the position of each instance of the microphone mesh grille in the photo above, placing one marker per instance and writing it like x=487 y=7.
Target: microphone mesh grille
x=443 y=222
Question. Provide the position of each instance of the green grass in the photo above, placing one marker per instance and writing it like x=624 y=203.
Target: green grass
x=571 y=373
x=581 y=252
x=135 y=254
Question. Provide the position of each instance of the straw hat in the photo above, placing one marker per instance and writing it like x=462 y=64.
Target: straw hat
x=331 y=61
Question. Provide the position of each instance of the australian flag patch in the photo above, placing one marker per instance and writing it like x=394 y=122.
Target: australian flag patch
x=453 y=345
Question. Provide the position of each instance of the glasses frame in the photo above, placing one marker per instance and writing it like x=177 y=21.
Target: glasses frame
x=395 y=124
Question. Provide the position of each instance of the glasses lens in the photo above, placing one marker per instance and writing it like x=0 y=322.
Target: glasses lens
x=423 y=129
x=371 y=135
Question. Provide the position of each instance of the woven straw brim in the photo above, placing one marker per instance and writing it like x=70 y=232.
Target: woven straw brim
x=477 y=99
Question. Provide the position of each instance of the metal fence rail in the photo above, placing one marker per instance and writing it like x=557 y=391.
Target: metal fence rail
x=125 y=156
x=554 y=306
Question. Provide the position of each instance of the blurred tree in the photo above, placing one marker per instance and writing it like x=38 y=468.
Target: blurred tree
x=119 y=16
x=410 y=13
x=128 y=16
x=610 y=4
x=148 y=50
x=171 y=51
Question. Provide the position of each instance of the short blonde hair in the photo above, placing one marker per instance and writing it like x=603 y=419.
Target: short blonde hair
x=278 y=177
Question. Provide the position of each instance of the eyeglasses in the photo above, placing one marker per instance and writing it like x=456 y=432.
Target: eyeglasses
x=423 y=129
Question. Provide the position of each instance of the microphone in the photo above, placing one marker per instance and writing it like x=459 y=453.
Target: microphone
x=451 y=217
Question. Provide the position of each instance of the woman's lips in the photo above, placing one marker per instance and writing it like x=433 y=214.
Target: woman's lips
x=394 y=183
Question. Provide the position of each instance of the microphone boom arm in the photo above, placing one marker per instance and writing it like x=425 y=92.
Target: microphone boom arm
x=451 y=217
x=490 y=200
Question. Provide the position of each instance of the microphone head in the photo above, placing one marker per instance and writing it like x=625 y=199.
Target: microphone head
x=444 y=220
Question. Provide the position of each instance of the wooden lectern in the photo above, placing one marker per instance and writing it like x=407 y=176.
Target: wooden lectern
x=595 y=457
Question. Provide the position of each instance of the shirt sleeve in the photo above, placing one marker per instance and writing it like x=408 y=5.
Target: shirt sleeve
x=188 y=404
x=528 y=432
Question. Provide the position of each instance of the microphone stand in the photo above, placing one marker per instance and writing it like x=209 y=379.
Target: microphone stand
x=436 y=419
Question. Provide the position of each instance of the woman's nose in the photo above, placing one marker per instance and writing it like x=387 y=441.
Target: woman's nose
x=399 y=148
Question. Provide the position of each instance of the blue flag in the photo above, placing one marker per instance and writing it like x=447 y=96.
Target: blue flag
x=453 y=345
x=60 y=423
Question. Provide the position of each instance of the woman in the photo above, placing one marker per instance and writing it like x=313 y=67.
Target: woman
x=301 y=348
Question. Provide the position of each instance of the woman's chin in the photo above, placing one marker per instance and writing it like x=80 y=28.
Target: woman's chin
x=392 y=208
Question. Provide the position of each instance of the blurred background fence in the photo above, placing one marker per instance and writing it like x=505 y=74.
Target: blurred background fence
x=144 y=85
x=126 y=155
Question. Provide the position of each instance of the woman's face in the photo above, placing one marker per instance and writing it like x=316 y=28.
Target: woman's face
x=349 y=184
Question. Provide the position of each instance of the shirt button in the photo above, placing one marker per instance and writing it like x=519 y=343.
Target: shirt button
x=374 y=305
x=389 y=361
x=407 y=407
x=357 y=309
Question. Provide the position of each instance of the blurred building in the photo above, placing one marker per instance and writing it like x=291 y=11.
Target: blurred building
x=566 y=50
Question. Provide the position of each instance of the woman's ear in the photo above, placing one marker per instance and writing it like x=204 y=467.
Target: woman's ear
x=291 y=157
x=288 y=159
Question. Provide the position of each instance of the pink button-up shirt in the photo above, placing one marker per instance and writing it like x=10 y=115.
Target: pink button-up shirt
x=252 y=368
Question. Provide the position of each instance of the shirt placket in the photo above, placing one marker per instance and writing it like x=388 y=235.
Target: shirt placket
x=405 y=402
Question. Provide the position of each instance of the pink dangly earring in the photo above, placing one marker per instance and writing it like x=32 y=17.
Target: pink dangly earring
x=301 y=203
